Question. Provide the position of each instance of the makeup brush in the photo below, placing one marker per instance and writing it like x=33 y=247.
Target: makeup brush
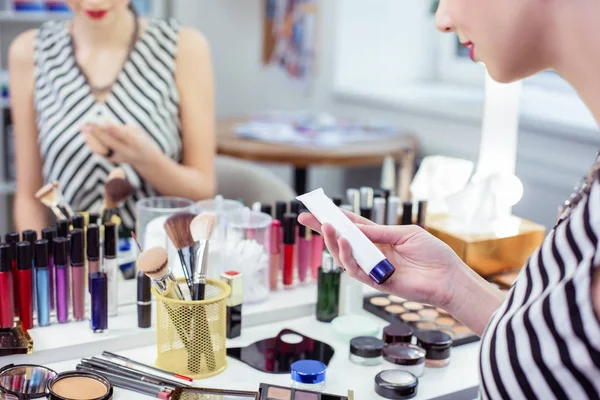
x=116 y=191
x=154 y=263
x=51 y=196
x=177 y=227
x=201 y=229
x=134 y=237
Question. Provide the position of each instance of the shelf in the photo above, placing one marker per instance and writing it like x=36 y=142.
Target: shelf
x=32 y=16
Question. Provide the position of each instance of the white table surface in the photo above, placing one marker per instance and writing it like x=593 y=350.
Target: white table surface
x=342 y=375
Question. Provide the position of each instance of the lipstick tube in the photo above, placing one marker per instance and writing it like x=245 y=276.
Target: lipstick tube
x=25 y=295
x=234 y=303
x=144 y=303
x=317 y=247
x=12 y=239
x=368 y=256
x=49 y=234
x=99 y=294
x=289 y=241
x=7 y=310
x=78 y=274
x=62 y=279
x=275 y=260
x=111 y=267
x=42 y=278
x=304 y=252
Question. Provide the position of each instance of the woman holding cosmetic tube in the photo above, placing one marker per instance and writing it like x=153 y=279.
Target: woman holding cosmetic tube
x=105 y=89
x=542 y=340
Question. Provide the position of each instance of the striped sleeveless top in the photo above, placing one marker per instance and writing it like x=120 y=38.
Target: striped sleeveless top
x=544 y=341
x=144 y=94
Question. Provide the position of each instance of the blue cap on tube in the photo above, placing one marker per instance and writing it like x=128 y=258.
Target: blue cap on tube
x=382 y=271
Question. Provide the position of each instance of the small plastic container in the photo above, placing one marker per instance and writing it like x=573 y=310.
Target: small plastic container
x=397 y=333
x=366 y=350
x=396 y=384
x=404 y=356
x=437 y=345
x=247 y=251
x=348 y=327
x=308 y=375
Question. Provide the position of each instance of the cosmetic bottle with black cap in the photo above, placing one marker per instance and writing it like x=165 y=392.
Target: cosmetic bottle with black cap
x=328 y=289
x=407 y=208
x=7 y=310
x=62 y=228
x=78 y=277
x=61 y=264
x=49 y=234
x=31 y=237
x=289 y=248
x=25 y=290
x=42 y=278
x=12 y=238
x=366 y=202
x=111 y=267
x=144 y=303
x=78 y=221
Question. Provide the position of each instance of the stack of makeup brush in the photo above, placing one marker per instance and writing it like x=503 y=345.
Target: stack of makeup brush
x=190 y=233
x=116 y=191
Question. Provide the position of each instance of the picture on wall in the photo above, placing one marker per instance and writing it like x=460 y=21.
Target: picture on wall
x=290 y=37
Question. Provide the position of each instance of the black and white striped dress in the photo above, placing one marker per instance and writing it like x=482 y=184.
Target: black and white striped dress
x=144 y=94
x=544 y=341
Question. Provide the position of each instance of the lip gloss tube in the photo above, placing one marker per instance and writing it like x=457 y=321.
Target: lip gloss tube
x=12 y=239
x=304 y=252
x=93 y=248
x=31 y=237
x=289 y=241
x=42 y=277
x=49 y=234
x=25 y=295
x=62 y=279
x=99 y=295
x=7 y=310
x=367 y=255
x=317 y=247
x=110 y=267
x=275 y=260
x=77 y=274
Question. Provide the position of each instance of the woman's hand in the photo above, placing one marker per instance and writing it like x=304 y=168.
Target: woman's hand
x=120 y=143
x=425 y=266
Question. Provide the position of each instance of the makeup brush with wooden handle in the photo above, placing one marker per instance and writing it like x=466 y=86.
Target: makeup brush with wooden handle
x=51 y=196
x=201 y=228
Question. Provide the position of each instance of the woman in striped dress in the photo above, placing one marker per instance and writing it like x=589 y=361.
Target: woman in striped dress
x=542 y=340
x=105 y=89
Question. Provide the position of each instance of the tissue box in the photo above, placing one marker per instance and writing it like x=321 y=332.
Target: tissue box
x=505 y=249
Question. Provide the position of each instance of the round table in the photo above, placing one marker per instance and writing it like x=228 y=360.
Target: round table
x=363 y=154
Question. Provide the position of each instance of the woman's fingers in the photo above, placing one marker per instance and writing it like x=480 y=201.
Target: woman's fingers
x=330 y=239
x=309 y=220
x=94 y=144
x=388 y=234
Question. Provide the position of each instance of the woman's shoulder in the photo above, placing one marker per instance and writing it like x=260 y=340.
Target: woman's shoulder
x=22 y=49
x=184 y=36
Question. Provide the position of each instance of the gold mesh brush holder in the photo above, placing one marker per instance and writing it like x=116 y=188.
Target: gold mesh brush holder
x=191 y=335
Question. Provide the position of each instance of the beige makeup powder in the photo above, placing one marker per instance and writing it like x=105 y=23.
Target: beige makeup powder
x=395 y=309
x=426 y=325
x=410 y=317
x=395 y=299
x=413 y=306
x=445 y=321
x=461 y=330
x=279 y=393
x=79 y=388
x=380 y=301
x=429 y=314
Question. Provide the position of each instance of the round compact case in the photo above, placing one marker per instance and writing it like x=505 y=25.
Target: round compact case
x=397 y=333
x=437 y=345
x=405 y=357
x=25 y=382
x=366 y=350
x=396 y=384
x=76 y=385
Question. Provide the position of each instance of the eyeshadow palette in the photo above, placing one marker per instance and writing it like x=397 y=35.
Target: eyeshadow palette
x=419 y=316
x=272 y=392
x=15 y=340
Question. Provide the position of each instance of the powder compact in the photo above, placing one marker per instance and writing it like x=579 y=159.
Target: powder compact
x=76 y=385
x=419 y=316
x=405 y=357
x=366 y=350
x=437 y=345
x=397 y=333
x=25 y=381
x=396 y=384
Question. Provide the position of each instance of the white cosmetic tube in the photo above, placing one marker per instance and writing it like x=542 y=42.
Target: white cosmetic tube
x=366 y=254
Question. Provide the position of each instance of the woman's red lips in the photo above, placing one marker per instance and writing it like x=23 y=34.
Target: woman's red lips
x=96 y=14
x=467 y=44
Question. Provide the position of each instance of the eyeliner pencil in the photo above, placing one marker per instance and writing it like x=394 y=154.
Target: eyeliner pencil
x=139 y=364
x=147 y=388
